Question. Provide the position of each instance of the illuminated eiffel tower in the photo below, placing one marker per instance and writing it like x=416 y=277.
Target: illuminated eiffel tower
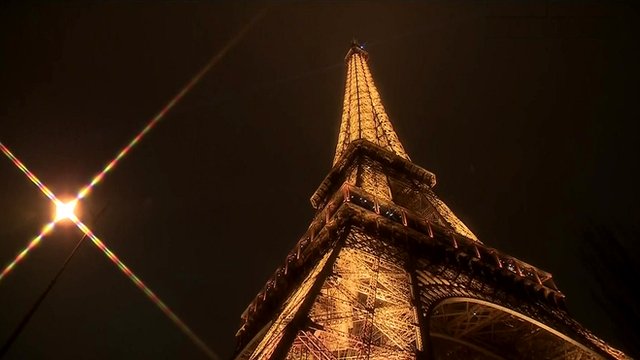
x=387 y=271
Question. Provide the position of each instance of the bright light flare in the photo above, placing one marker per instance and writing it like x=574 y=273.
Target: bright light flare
x=65 y=210
x=46 y=229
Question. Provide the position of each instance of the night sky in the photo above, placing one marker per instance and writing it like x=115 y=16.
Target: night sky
x=527 y=113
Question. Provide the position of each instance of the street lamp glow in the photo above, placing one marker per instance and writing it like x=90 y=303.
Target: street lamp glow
x=65 y=210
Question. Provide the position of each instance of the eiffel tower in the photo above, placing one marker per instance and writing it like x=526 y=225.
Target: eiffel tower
x=387 y=271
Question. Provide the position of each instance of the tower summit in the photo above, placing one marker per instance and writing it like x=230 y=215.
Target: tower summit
x=387 y=271
x=363 y=115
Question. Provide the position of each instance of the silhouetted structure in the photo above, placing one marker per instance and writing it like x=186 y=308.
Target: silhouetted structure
x=387 y=271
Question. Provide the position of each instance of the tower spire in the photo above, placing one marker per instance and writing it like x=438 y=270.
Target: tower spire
x=387 y=271
x=363 y=115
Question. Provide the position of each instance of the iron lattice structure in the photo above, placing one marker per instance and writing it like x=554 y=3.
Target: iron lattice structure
x=387 y=271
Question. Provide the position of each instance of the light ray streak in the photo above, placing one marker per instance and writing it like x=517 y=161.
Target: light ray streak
x=144 y=288
x=46 y=229
x=34 y=179
x=32 y=244
x=100 y=176
x=100 y=245
x=161 y=114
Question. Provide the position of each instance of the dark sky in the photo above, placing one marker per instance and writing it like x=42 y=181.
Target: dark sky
x=527 y=113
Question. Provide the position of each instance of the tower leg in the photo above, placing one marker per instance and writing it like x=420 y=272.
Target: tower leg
x=301 y=318
x=422 y=337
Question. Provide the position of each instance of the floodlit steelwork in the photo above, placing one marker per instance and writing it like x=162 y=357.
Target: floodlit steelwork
x=387 y=271
x=363 y=116
x=474 y=329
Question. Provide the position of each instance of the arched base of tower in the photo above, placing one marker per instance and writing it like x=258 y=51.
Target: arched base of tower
x=462 y=328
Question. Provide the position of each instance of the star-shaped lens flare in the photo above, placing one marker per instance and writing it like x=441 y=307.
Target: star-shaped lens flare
x=66 y=210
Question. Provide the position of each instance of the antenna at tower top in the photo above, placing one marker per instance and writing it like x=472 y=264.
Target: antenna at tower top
x=356 y=47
